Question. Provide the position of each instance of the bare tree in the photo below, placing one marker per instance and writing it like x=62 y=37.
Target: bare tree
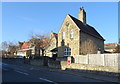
x=40 y=42
x=12 y=49
x=8 y=47
x=4 y=46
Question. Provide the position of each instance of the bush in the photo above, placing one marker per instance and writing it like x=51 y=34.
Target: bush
x=117 y=49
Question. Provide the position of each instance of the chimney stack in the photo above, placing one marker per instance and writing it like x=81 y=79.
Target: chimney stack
x=82 y=15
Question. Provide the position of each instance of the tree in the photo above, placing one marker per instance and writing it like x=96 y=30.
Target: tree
x=8 y=47
x=117 y=49
x=4 y=46
x=12 y=47
x=40 y=42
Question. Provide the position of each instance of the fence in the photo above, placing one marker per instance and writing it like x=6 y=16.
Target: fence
x=98 y=59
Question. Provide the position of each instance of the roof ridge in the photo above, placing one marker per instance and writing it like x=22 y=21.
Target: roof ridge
x=86 y=28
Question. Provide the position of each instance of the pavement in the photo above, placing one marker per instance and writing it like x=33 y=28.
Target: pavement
x=83 y=74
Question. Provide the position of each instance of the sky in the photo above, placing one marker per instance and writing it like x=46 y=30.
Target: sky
x=21 y=19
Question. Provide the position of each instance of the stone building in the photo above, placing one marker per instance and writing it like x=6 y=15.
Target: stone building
x=76 y=37
x=53 y=43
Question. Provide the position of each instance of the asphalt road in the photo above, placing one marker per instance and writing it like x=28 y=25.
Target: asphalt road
x=12 y=73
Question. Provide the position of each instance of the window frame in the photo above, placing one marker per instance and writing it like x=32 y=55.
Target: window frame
x=71 y=33
x=63 y=35
x=67 y=52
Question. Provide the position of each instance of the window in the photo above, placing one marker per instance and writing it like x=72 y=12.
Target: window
x=67 y=52
x=67 y=24
x=71 y=33
x=63 y=35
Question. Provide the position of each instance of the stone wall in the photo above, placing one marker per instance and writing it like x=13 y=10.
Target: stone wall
x=93 y=67
x=107 y=64
x=54 y=64
x=104 y=70
x=61 y=58
x=40 y=61
x=37 y=62
x=57 y=64
x=90 y=44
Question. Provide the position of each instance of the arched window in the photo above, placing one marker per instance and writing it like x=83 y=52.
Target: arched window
x=67 y=52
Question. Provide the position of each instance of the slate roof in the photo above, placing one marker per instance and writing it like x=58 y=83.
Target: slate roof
x=54 y=50
x=86 y=28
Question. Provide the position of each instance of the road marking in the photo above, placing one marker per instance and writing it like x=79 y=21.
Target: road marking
x=19 y=69
x=47 y=80
x=4 y=64
x=21 y=72
x=5 y=69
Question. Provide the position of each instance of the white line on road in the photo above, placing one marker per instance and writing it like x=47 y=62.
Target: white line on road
x=3 y=63
x=47 y=80
x=21 y=72
x=5 y=69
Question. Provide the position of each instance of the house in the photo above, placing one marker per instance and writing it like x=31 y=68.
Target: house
x=53 y=43
x=33 y=48
x=23 y=49
x=110 y=47
x=76 y=37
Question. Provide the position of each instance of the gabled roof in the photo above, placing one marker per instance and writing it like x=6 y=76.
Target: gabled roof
x=26 y=45
x=86 y=28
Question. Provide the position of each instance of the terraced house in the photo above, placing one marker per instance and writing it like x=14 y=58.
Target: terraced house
x=76 y=37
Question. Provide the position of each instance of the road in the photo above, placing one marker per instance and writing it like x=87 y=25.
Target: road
x=15 y=73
